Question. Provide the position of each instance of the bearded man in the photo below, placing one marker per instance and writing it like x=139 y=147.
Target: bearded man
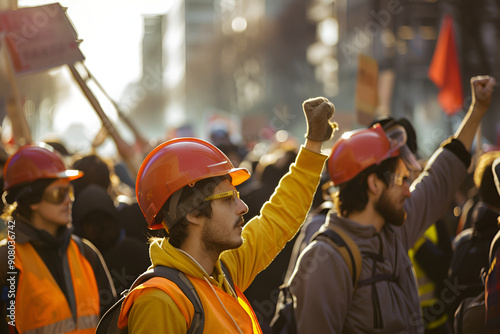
x=384 y=216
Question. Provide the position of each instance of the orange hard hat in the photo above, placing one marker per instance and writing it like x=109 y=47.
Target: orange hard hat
x=34 y=162
x=175 y=164
x=359 y=149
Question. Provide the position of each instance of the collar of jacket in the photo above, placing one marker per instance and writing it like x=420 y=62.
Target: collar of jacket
x=355 y=228
x=164 y=254
x=25 y=232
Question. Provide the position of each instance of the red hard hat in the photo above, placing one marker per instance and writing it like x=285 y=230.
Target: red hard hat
x=357 y=150
x=35 y=162
x=175 y=164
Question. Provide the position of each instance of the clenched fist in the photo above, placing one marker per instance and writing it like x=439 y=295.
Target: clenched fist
x=318 y=112
x=482 y=89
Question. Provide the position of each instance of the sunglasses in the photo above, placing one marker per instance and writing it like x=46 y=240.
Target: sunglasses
x=232 y=193
x=58 y=195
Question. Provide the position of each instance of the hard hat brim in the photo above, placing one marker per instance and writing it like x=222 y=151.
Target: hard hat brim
x=239 y=175
x=70 y=174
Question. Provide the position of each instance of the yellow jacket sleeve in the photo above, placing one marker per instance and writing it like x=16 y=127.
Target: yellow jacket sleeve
x=279 y=220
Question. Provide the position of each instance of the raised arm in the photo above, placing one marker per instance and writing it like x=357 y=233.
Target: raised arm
x=432 y=192
x=281 y=217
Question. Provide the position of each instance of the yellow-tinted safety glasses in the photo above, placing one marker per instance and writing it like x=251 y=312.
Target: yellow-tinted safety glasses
x=233 y=193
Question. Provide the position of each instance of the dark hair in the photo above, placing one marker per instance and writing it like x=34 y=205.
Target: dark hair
x=24 y=195
x=59 y=147
x=96 y=171
x=484 y=181
x=192 y=201
x=100 y=228
x=353 y=195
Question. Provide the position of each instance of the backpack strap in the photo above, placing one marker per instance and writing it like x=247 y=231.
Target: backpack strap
x=470 y=315
x=109 y=322
x=180 y=279
x=79 y=243
x=346 y=247
x=284 y=318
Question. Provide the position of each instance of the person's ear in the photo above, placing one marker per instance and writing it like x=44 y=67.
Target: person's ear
x=192 y=219
x=375 y=185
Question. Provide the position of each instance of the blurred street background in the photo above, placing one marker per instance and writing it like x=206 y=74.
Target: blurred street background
x=243 y=68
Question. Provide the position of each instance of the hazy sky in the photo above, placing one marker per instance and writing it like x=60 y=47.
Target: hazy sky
x=112 y=35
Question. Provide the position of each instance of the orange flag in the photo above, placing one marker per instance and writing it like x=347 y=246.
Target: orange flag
x=444 y=70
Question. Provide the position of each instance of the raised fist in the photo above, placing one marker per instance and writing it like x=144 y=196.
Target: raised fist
x=318 y=112
x=482 y=88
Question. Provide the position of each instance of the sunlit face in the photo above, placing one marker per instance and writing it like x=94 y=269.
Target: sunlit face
x=390 y=204
x=48 y=214
x=223 y=230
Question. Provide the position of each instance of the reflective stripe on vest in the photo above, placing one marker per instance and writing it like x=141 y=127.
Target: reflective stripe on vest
x=425 y=285
x=67 y=325
x=255 y=323
x=41 y=306
x=426 y=288
x=217 y=319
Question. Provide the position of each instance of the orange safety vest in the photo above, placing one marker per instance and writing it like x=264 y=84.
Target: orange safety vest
x=216 y=318
x=41 y=306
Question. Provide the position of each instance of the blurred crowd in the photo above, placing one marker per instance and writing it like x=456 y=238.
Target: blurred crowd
x=451 y=259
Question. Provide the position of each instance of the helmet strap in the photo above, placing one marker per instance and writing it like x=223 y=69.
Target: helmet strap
x=170 y=215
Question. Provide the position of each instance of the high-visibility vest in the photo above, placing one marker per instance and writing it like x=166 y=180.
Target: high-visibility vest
x=426 y=287
x=41 y=306
x=216 y=315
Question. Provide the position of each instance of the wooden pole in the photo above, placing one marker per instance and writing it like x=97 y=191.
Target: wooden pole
x=143 y=144
x=124 y=149
x=100 y=137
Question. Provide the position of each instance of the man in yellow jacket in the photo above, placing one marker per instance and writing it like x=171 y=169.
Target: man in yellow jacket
x=187 y=186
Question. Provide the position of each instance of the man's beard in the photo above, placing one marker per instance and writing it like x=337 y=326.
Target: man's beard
x=389 y=213
x=216 y=238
